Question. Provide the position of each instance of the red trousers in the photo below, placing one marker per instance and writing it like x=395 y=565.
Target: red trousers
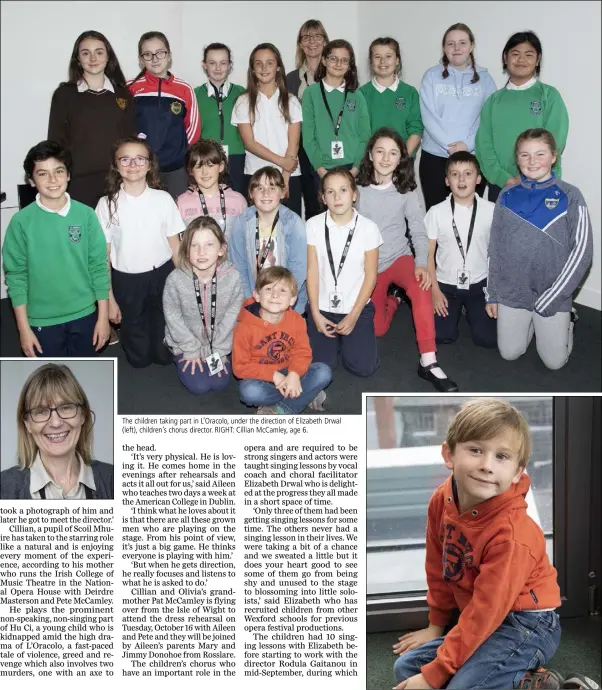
x=401 y=272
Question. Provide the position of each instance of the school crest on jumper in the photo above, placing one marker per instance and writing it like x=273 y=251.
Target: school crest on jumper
x=400 y=103
x=351 y=104
x=122 y=103
x=535 y=108
x=551 y=203
x=176 y=107
x=75 y=233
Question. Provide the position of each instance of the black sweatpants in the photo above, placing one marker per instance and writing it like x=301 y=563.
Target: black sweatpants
x=483 y=329
x=140 y=298
x=432 y=179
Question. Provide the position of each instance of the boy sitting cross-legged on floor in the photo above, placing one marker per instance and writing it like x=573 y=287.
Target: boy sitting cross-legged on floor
x=486 y=556
x=271 y=352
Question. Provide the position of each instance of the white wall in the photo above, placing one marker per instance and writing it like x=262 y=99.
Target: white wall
x=32 y=66
x=570 y=36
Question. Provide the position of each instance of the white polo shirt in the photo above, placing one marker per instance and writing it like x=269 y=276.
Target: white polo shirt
x=438 y=221
x=366 y=237
x=139 y=229
x=270 y=128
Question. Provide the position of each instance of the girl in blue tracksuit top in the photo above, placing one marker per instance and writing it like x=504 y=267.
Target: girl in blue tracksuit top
x=269 y=234
x=540 y=248
x=451 y=97
x=167 y=112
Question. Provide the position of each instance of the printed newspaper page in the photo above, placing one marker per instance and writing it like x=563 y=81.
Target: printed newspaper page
x=233 y=552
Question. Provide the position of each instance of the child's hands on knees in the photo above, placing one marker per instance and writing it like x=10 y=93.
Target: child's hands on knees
x=439 y=302
x=193 y=362
x=417 y=638
x=347 y=324
x=280 y=382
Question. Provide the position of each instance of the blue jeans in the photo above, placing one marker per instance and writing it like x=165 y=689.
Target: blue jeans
x=259 y=393
x=523 y=642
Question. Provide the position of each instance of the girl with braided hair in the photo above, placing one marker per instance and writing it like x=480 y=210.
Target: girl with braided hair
x=452 y=94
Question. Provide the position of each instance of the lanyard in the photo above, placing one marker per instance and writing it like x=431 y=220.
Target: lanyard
x=340 y=117
x=470 y=229
x=199 y=301
x=222 y=203
x=266 y=249
x=219 y=99
x=345 y=250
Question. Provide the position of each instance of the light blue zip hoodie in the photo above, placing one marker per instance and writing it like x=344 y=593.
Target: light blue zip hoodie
x=451 y=108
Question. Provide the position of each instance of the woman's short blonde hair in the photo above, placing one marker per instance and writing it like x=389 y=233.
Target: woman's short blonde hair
x=309 y=25
x=486 y=418
x=50 y=385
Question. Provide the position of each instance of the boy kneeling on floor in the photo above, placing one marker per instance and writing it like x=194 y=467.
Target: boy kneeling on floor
x=271 y=352
x=486 y=556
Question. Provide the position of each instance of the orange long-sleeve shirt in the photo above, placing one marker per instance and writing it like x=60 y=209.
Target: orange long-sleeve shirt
x=260 y=348
x=487 y=561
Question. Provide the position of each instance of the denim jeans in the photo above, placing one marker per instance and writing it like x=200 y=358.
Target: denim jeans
x=524 y=641
x=259 y=393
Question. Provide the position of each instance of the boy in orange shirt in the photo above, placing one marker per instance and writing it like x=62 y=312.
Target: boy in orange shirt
x=487 y=557
x=271 y=351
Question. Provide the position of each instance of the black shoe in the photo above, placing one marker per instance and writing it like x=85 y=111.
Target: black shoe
x=444 y=385
x=397 y=292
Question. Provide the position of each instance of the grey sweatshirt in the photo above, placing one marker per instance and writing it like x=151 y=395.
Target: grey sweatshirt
x=540 y=246
x=389 y=210
x=184 y=332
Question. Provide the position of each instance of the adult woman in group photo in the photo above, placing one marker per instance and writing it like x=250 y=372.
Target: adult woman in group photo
x=54 y=442
x=311 y=39
x=90 y=112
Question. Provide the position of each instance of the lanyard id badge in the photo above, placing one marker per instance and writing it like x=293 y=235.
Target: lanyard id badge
x=219 y=99
x=337 y=150
x=260 y=260
x=335 y=298
x=214 y=360
x=222 y=204
x=463 y=276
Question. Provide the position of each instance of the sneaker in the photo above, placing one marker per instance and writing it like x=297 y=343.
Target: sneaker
x=579 y=681
x=273 y=409
x=542 y=678
x=397 y=292
x=317 y=404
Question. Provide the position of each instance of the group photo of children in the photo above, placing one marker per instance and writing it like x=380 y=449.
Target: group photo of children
x=270 y=231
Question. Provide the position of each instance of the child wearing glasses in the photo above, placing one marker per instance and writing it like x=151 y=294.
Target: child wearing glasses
x=167 y=112
x=54 y=441
x=141 y=223
x=336 y=122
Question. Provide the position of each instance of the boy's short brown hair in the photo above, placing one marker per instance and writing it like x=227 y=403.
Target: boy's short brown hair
x=462 y=157
x=276 y=274
x=485 y=418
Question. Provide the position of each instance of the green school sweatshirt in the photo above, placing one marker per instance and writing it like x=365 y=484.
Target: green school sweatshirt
x=56 y=265
x=318 y=129
x=210 y=124
x=508 y=113
x=399 y=109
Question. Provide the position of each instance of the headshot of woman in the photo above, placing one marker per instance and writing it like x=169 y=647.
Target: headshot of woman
x=54 y=442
